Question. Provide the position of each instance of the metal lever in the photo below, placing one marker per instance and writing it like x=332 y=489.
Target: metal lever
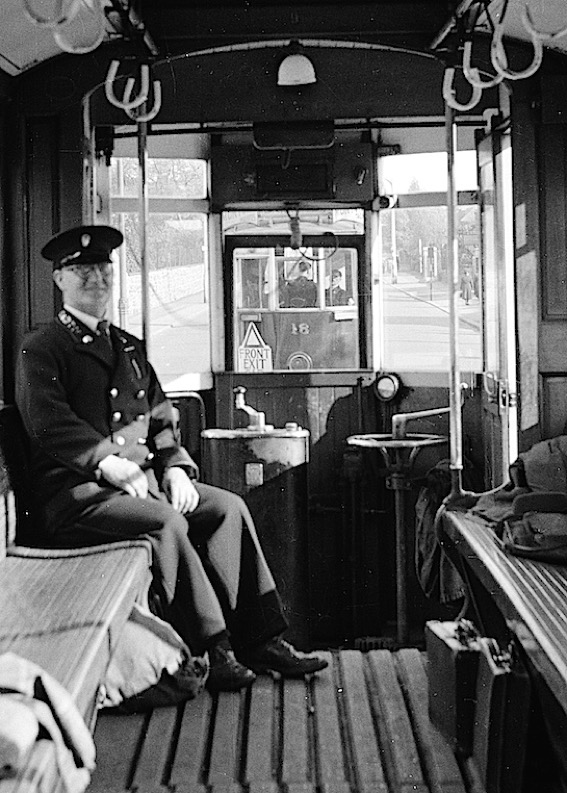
x=399 y=420
x=257 y=419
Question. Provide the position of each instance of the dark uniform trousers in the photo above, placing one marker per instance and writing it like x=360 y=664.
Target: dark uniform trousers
x=209 y=571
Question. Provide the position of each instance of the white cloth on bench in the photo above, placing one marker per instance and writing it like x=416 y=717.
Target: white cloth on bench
x=56 y=713
x=19 y=729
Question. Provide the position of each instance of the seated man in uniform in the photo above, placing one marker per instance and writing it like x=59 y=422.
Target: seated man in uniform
x=107 y=465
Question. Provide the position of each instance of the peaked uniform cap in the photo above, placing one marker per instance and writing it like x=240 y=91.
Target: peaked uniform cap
x=82 y=245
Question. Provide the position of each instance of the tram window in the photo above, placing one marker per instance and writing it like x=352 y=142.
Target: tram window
x=295 y=307
x=414 y=323
x=407 y=174
x=166 y=177
x=411 y=328
x=252 y=286
x=177 y=259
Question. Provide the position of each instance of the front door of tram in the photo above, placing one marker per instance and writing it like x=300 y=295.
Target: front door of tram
x=499 y=399
x=294 y=308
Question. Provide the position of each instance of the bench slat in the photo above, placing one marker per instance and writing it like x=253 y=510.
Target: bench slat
x=394 y=726
x=152 y=763
x=330 y=743
x=85 y=586
x=225 y=748
x=361 y=731
x=261 y=739
x=193 y=742
x=441 y=766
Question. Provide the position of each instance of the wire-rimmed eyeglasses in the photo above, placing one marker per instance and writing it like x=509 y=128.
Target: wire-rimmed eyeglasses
x=84 y=271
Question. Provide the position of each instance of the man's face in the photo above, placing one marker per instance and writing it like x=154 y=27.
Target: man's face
x=86 y=287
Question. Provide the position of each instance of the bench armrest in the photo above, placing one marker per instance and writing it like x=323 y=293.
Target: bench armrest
x=25 y=552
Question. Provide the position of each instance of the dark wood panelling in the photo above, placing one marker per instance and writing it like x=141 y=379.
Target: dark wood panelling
x=554 y=274
x=554 y=99
x=280 y=396
x=351 y=513
x=6 y=319
x=42 y=198
x=553 y=327
x=553 y=348
x=528 y=257
x=554 y=398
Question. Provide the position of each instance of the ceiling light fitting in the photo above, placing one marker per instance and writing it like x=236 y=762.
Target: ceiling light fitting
x=296 y=69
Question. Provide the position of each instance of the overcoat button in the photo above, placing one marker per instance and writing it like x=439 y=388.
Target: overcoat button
x=141 y=416
x=120 y=440
x=150 y=456
x=141 y=394
x=113 y=392
x=116 y=416
x=141 y=440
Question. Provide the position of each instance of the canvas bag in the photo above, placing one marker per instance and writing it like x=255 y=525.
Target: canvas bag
x=151 y=667
x=534 y=521
x=537 y=535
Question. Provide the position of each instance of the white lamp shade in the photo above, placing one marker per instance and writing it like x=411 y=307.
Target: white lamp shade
x=296 y=69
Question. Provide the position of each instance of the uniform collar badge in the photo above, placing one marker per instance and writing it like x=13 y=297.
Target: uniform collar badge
x=69 y=322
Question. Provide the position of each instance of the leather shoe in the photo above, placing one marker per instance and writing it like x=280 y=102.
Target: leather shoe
x=226 y=673
x=277 y=655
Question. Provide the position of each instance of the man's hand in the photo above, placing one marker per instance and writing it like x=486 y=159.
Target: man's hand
x=180 y=490
x=125 y=475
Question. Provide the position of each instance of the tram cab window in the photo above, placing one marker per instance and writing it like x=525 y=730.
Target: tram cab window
x=294 y=308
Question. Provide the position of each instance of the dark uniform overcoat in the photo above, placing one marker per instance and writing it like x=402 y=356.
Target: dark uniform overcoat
x=81 y=398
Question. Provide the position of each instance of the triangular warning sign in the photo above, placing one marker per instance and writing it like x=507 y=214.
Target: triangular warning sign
x=252 y=337
x=254 y=355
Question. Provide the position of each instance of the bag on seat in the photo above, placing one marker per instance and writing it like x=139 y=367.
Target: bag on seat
x=151 y=667
x=537 y=535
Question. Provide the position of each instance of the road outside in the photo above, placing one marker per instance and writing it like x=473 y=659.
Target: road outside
x=416 y=331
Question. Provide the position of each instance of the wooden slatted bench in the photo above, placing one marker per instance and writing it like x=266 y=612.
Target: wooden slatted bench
x=514 y=597
x=61 y=609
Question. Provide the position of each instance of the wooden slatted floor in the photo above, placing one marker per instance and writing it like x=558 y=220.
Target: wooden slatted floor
x=361 y=726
